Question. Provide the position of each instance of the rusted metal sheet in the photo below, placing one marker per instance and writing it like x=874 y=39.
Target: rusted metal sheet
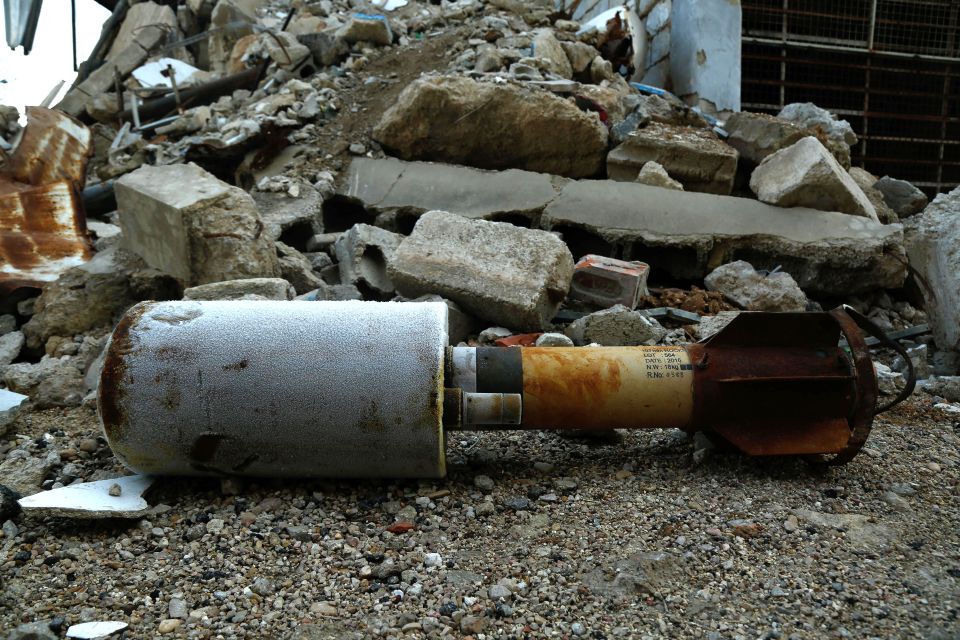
x=42 y=224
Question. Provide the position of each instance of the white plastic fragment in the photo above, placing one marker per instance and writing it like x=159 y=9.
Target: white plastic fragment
x=93 y=630
x=10 y=400
x=390 y=5
x=93 y=500
x=150 y=74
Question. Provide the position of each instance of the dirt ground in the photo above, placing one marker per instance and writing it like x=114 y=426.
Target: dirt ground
x=622 y=537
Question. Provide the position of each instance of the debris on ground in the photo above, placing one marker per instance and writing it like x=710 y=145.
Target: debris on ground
x=554 y=175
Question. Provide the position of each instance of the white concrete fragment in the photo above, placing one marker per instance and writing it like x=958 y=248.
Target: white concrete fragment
x=90 y=500
x=94 y=630
x=805 y=174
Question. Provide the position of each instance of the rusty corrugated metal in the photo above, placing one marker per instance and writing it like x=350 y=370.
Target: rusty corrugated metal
x=42 y=224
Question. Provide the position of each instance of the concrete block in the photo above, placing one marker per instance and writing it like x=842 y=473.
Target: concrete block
x=904 y=198
x=933 y=244
x=805 y=174
x=617 y=326
x=697 y=158
x=685 y=234
x=755 y=291
x=498 y=272
x=363 y=254
x=606 y=282
x=187 y=223
x=247 y=289
x=492 y=126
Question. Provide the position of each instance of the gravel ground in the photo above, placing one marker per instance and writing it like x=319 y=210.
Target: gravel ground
x=533 y=535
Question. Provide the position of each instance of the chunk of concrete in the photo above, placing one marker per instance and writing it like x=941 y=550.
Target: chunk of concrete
x=52 y=382
x=498 y=272
x=285 y=216
x=493 y=126
x=757 y=135
x=396 y=188
x=865 y=180
x=94 y=295
x=655 y=175
x=755 y=291
x=904 y=198
x=697 y=158
x=186 y=222
x=361 y=27
x=805 y=174
x=296 y=269
x=546 y=46
x=684 y=234
x=10 y=345
x=617 y=326
x=933 y=244
x=250 y=288
x=363 y=253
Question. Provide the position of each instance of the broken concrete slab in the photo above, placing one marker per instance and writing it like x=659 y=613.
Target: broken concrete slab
x=755 y=291
x=363 y=253
x=407 y=189
x=933 y=245
x=697 y=158
x=504 y=274
x=246 y=289
x=493 y=126
x=805 y=174
x=617 y=326
x=904 y=198
x=186 y=222
x=685 y=234
x=757 y=135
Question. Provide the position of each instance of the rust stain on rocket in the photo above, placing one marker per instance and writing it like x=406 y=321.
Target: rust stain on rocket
x=42 y=224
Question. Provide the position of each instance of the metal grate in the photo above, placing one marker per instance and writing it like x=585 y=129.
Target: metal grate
x=889 y=67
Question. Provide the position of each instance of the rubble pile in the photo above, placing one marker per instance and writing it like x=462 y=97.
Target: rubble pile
x=497 y=156
x=525 y=120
